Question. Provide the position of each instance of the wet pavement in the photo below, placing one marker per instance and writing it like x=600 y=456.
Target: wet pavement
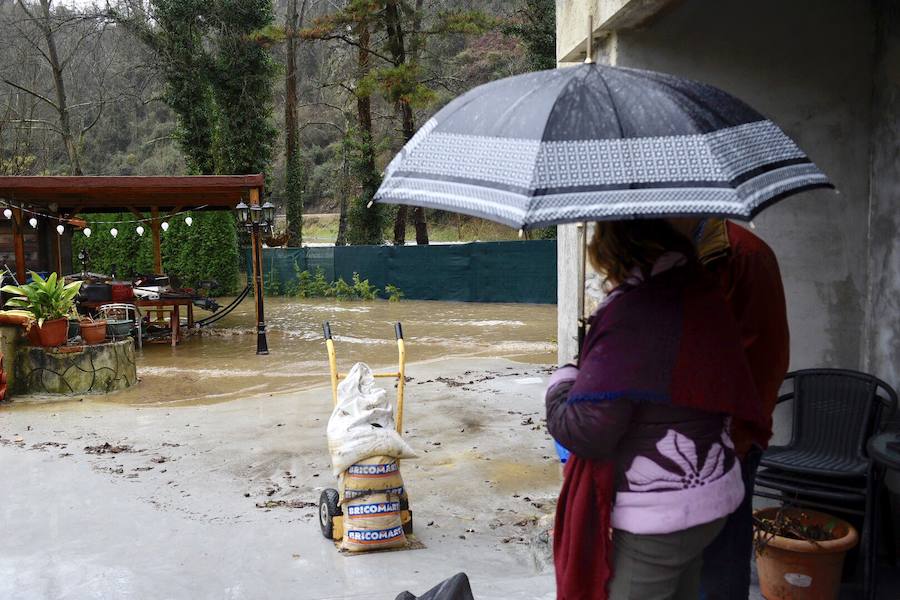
x=111 y=500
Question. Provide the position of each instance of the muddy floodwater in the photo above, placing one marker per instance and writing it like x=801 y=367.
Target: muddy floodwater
x=221 y=364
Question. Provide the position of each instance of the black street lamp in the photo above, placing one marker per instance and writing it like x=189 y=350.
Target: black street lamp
x=255 y=219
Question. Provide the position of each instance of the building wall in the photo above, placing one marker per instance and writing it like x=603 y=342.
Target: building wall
x=882 y=347
x=809 y=65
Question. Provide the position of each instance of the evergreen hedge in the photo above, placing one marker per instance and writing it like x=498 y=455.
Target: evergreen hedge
x=208 y=249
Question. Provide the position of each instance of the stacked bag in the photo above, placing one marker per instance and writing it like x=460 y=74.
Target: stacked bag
x=365 y=451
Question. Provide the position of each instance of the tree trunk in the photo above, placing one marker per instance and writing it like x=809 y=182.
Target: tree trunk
x=59 y=84
x=345 y=198
x=400 y=225
x=293 y=180
x=367 y=225
x=397 y=44
x=421 y=226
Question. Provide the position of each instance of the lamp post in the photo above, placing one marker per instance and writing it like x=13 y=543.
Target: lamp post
x=255 y=219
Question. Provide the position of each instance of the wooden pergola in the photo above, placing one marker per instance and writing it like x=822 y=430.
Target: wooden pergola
x=67 y=197
x=159 y=197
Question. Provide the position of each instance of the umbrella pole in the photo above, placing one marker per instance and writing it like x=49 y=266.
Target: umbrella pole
x=582 y=282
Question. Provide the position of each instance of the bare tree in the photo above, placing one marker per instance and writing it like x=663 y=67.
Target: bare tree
x=40 y=29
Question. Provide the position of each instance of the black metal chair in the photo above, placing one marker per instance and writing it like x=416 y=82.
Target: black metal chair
x=825 y=465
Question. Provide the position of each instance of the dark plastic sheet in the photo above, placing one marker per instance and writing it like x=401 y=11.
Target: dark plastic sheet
x=518 y=271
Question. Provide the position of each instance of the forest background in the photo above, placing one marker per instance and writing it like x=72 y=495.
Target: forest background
x=316 y=94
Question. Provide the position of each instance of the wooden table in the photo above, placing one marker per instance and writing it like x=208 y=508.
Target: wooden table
x=158 y=306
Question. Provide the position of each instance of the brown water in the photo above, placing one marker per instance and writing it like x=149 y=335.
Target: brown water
x=221 y=364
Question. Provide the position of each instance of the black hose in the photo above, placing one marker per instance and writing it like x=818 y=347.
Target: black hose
x=224 y=312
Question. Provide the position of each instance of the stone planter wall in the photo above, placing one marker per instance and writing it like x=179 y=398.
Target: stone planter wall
x=76 y=370
x=9 y=339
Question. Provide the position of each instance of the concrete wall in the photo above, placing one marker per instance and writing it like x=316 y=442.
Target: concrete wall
x=882 y=347
x=810 y=65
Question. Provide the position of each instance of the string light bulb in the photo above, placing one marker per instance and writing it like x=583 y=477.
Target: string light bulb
x=7 y=213
x=33 y=222
x=60 y=229
x=140 y=230
x=164 y=225
x=114 y=232
x=188 y=221
x=86 y=231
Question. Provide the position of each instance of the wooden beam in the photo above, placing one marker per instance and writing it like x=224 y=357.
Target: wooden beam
x=59 y=260
x=157 y=250
x=19 y=243
x=217 y=192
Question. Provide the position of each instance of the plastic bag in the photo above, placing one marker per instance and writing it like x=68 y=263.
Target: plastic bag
x=362 y=423
x=455 y=588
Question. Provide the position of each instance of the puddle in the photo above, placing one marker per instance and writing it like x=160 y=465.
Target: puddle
x=222 y=364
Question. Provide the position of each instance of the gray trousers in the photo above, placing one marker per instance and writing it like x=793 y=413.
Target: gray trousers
x=660 y=567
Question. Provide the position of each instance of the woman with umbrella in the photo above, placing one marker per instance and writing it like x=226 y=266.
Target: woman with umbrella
x=662 y=369
x=647 y=416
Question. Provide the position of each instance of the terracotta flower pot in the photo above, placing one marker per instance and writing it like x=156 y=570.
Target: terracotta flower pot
x=51 y=334
x=93 y=332
x=801 y=570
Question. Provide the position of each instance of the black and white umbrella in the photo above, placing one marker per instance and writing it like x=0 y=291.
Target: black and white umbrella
x=595 y=142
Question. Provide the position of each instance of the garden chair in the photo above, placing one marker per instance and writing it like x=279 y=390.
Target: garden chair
x=825 y=464
x=124 y=312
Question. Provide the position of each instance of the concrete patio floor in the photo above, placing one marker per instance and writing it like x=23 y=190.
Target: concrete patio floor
x=218 y=501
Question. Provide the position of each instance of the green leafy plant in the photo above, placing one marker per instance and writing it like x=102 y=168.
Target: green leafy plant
x=309 y=285
x=341 y=290
x=47 y=299
x=393 y=293
x=362 y=289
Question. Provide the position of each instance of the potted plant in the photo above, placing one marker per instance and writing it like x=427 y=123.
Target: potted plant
x=800 y=553
x=93 y=331
x=50 y=301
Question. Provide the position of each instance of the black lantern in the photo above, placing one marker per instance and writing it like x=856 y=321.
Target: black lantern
x=243 y=213
x=268 y=213
x=256 y=214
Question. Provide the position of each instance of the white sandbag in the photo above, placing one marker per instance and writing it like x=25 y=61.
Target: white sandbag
x=362 y=423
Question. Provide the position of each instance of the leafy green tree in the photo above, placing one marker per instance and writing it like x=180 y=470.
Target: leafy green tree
x=535 y=25
x=186 y=66
x=353 y=26
x=242 y=80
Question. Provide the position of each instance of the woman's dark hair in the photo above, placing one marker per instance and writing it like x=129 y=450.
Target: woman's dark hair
x=619 y=246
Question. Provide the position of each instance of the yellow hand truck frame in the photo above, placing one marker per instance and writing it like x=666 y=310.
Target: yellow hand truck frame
x=331 y=518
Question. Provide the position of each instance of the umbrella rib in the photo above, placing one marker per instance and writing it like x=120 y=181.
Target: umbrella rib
x=612 y=103
x=533 y=184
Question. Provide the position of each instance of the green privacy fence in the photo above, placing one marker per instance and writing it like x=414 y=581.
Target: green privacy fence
x=518 y=271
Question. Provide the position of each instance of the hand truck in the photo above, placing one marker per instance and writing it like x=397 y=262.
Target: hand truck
x=331 y=518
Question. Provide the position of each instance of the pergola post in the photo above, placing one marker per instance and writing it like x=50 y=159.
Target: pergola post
x=19 y=243
x=262 y=345
x=157 y=250
x=59 y=260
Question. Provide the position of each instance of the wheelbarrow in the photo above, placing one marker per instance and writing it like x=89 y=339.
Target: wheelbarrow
x=331 y=517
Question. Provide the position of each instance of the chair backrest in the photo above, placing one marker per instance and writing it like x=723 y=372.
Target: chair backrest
x=130 y=311
x=836 y=411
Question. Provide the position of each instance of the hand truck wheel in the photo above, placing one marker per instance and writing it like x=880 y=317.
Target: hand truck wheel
x=329 y=508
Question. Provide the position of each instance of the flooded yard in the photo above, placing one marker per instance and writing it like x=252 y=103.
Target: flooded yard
x=220 y=364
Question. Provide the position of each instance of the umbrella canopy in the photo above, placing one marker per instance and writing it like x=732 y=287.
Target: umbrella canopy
x=596 y=142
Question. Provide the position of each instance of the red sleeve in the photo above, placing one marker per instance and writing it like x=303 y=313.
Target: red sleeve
x=752 y=283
